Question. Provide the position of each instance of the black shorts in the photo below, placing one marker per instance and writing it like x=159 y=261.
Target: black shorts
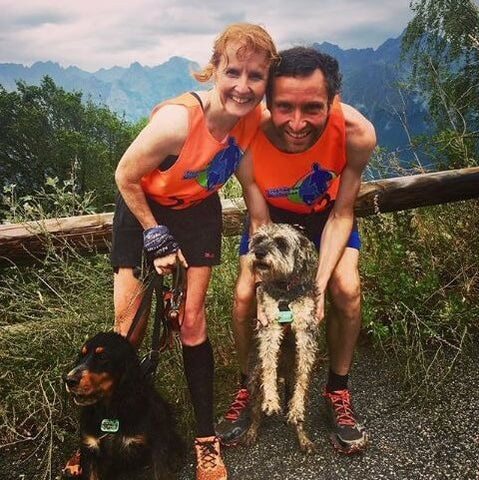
x=197 y=229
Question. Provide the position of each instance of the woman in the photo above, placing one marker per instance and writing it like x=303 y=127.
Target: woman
x=168 y=179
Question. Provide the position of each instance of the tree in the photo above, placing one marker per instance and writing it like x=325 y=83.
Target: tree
x=45 y=130
x=442 y=42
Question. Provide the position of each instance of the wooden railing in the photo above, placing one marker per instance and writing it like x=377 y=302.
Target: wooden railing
x=25 y=242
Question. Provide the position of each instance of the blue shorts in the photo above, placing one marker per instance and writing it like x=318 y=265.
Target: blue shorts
x=313 y=224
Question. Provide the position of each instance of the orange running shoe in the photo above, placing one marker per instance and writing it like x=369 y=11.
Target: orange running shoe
x=209 y=465
x=72 y=468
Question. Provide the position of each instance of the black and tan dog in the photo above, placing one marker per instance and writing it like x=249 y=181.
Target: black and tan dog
x=127 y=430
x=286 y=340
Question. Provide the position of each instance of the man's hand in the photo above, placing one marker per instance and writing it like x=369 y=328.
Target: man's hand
x=320 y=306
x=159 y=242
x=261 y=317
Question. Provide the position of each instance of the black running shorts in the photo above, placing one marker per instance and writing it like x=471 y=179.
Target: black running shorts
x=197 y=229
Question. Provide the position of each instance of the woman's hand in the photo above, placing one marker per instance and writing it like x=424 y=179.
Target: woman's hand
x=166 y=264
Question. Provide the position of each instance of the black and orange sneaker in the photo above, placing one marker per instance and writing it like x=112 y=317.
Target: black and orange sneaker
x=209 y=465
x=236 y=421
x=348 y=434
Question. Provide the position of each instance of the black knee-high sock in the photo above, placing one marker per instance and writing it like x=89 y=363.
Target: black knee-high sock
x=336 y=382
x=199 y=371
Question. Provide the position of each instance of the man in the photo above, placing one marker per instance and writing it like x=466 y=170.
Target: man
x=306 y=161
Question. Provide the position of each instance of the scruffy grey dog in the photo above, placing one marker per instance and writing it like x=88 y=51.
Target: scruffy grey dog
x=286 y=346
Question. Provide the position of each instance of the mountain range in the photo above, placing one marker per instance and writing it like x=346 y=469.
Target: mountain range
x=370 y=79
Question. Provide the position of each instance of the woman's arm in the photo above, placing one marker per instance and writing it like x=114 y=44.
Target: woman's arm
x=164 y=135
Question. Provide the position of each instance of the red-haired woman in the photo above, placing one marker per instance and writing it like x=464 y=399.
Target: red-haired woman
x=169 y=206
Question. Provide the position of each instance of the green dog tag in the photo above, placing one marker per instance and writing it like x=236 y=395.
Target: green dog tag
x=110 y=425
x=285 y=316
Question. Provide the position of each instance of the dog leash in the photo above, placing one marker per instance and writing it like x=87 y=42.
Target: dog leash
x=168 y=316
x=174 y=299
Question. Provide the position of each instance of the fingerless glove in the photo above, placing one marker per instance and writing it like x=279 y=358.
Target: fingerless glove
x=159 y=242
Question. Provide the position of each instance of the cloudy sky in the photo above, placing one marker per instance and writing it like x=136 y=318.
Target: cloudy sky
x=102 y=33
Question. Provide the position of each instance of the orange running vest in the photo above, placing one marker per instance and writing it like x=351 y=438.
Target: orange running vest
x=302 y=182
x=204 y=163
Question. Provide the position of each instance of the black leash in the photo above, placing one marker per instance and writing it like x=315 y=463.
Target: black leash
x=174 y=299
x=168 y=315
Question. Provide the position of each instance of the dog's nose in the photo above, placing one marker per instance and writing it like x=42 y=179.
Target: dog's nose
x=260 y=253
x=71 y=380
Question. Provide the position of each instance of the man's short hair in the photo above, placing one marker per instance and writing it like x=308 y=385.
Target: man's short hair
x=302 y=62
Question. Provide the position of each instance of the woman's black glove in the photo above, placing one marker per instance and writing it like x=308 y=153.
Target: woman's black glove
x=159 y=242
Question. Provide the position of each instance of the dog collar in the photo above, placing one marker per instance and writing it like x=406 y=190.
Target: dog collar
x=110 y=425
x=285 y=315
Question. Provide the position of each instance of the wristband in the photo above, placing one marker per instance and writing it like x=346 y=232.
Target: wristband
x=158 y=241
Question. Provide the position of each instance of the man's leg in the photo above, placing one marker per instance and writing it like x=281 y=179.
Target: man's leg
x=199 y=372
x=244 y=311
x=342 y=330
x=344 y=317
x=232 y=426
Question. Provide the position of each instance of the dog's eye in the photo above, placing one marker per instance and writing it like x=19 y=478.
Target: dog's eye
x=281 y=244
x=258 y=238
x=101 y=357
x=100 y=353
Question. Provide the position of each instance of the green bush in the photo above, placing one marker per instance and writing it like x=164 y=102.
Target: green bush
x=420 y=285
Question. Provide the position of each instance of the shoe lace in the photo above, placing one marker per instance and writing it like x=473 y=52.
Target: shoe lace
x=341 y=402
x=208 y=454
x=239 y=403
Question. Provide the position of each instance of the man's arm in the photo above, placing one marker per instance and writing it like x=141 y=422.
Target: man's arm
x=258 y=213
x=254 y=200
x=164 y=135
x=360 y=142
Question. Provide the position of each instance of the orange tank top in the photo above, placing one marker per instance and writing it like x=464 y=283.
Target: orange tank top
x=302 y=182
x=204 y=163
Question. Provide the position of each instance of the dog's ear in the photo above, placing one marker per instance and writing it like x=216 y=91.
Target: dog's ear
x=309 y=255
x=131 y=376
x=304 y=243
x=128 y=369
x=249 y=257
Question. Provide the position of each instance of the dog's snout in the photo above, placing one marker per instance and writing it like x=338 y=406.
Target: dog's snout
x=71 y=381
x=260 y=253
x=72 y=378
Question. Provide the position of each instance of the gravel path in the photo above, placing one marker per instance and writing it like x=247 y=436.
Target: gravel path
x=425 y=440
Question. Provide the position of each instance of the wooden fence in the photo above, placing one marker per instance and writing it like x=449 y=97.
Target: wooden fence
x=27 y=242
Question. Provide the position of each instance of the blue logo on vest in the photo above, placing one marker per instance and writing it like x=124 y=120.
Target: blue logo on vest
x=221 y=167
x=309 y=189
